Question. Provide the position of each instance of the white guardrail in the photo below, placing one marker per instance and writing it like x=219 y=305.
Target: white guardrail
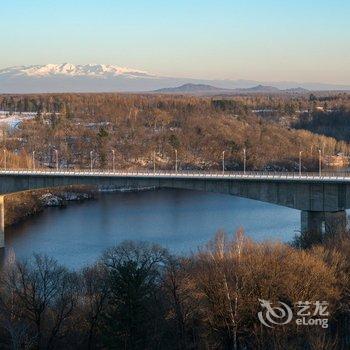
x=249 y=175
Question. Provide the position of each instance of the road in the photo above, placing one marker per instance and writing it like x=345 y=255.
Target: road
x=283 y=176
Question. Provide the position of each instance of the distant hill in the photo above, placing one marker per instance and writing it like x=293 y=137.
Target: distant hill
x=205 y=89
x=192 y=89
x=297 y=90
x=261 y=89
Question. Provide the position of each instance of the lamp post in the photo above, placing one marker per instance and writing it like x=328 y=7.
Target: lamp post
x=113 y=160
x=300 y=152
x=319 y=162
x=244 y=160
x=33 y=159
x=56 y=153
x=91 y=153
x=5 y=165
x=223 y=162
x=176 y=160
x=154 y=162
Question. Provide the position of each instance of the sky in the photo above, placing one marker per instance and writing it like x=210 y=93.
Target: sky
x=265 y=40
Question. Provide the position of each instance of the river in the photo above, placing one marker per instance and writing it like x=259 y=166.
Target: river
x=179 y=220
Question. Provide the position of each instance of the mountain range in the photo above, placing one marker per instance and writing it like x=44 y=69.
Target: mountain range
x=69 y=77
x=202 y=89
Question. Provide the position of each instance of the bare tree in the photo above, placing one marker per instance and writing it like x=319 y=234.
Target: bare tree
x=45 y=295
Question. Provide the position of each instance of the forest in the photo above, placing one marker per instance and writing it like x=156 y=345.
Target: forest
x=139 y=296
x=335 y=123
x=142 y=128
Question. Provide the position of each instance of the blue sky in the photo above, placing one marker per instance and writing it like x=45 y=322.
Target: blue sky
x=267 y=40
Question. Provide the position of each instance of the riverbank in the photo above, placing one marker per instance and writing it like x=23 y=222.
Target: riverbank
x=21 y=205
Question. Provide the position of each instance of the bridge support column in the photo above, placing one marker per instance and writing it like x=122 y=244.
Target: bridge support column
x=323 y=221
x=2 y=222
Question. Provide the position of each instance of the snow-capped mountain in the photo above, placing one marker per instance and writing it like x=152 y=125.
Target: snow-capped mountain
x=68 y=69
x=69 y=77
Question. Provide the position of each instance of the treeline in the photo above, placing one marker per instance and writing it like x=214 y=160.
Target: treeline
x=333 y=124
x=137 y=126
x=284 y=104
x=138 y=296
x=288 y=103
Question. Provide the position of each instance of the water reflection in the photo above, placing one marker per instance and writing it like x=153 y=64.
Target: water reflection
x=177 y=219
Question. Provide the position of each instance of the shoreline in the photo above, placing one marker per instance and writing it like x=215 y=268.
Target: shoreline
x=113 y=189
x=20 y=206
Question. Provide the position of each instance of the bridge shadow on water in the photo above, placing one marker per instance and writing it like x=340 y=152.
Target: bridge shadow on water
x=180 y=220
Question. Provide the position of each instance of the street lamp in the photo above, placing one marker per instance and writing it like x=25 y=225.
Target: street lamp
x=5 y=159
x=300 y=152
x=91 y=153
x=154 y=162
x=223 y=162
x=33 y=154
x=113 y=160
x=320 y=162
x=244 y=160
x=56 y=153
x=176 y=160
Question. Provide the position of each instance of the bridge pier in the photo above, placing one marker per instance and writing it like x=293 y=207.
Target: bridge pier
x=2 y=223
x=323 y=221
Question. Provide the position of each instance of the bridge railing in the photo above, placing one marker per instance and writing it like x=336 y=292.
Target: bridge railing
x=182 y=173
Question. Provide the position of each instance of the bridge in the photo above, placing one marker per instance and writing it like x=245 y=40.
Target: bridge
x=322 y=199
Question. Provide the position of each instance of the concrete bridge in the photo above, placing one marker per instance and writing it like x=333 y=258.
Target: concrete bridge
x=321 y=199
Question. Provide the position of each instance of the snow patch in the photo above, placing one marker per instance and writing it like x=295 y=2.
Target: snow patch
x=59 y=200
x=75 y=196
x=50 y=200
x=15 y=119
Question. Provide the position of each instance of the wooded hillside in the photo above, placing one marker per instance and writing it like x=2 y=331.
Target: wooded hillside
x=136 y=126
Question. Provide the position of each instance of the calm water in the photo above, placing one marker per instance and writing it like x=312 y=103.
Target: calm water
x=177 y=219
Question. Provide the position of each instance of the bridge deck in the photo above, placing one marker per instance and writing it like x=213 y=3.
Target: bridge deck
x=340 y=177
